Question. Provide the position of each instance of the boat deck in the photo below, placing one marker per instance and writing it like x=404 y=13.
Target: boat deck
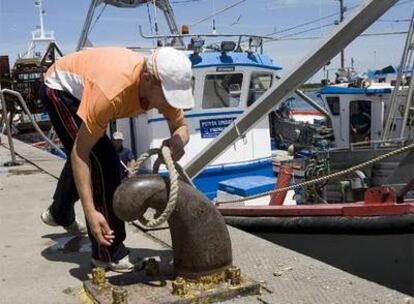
x=42 y=264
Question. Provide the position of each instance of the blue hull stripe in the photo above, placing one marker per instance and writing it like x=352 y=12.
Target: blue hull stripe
x=263 y=66
x=198 y=115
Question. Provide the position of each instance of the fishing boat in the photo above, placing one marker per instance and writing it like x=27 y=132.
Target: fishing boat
x=368 y=119
x=228 y=78
x=25 y=77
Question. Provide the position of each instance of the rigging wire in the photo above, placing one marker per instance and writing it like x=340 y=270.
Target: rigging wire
x=150 y=22
x=155 y=17
x=214 y=18
x=287 y=29
x=319 y=37
x=226 y=8
x=330 y=16
x=403 y=2
x=394 y=21
x=184 y=1
x=149 y=18
x=308 y=30
x=309 y=22
x=383 y=34
x=97 y=18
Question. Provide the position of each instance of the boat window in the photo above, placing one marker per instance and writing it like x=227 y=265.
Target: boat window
x=222 y=91
x=259 y=84
x=333 y=103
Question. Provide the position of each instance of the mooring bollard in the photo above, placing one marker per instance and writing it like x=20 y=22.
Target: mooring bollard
x=201 y=247
x=194 y=257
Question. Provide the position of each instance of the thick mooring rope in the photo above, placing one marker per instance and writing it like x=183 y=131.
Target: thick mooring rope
x=323 y=178
x=163 y=154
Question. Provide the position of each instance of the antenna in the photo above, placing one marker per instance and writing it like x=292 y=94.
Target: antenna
x=38 y=3
x=155 y=17
x=214 y=17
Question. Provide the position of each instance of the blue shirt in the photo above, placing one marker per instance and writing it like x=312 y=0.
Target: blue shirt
x=125 y=155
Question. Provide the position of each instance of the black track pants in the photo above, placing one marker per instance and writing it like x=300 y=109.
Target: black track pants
x=105 y=173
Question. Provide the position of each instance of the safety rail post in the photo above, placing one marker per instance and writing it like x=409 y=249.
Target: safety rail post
x=29 y=114
x=7 y=119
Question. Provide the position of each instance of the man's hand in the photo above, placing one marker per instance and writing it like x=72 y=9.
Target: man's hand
x=100 y=228
x=131 y=166
x=176 y=145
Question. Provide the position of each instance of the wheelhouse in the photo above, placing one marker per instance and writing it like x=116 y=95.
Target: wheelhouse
x=347 y=104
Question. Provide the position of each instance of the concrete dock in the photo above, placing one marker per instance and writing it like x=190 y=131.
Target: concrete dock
x=42 y=264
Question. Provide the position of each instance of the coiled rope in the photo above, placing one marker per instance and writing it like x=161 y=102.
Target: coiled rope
x=164 y=155
x=323 y=178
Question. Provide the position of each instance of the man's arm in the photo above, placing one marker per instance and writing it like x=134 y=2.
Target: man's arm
x=79 y=157
x=179 y=138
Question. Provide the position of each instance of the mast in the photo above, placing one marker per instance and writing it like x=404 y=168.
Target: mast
x=42 y=28
x=341 y=18
x=163 y=5
x=40 y=35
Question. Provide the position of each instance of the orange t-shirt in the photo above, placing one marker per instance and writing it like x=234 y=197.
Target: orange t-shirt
x=106 y=81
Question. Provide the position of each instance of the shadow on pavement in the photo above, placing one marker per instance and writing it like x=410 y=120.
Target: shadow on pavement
x=77 y=250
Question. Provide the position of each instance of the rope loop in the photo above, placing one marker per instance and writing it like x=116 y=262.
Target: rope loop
x=164 y=155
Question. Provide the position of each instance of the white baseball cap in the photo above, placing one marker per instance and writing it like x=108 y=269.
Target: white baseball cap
x=118 y=136
x=173 y=68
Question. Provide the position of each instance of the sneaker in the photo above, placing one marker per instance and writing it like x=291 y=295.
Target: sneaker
x=47 y=218
x=77 y=228
x=124 y=265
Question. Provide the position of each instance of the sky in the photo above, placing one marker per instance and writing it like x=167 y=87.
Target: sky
x=120 y=26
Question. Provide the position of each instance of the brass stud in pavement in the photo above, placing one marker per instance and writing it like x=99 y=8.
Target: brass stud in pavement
x=98 y=276
x=119 y=295
x=234 y=275
x=179 y=287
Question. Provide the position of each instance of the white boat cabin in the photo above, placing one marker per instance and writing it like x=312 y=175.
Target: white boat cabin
x=348 y=106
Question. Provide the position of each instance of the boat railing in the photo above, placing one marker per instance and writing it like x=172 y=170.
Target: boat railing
x=39 y=35
x=146 y=36
x=7 y=120
x=377 y=143
x=254 y=40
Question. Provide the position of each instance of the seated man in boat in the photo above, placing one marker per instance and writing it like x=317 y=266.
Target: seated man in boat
x=82 y=92
x=360 y=124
